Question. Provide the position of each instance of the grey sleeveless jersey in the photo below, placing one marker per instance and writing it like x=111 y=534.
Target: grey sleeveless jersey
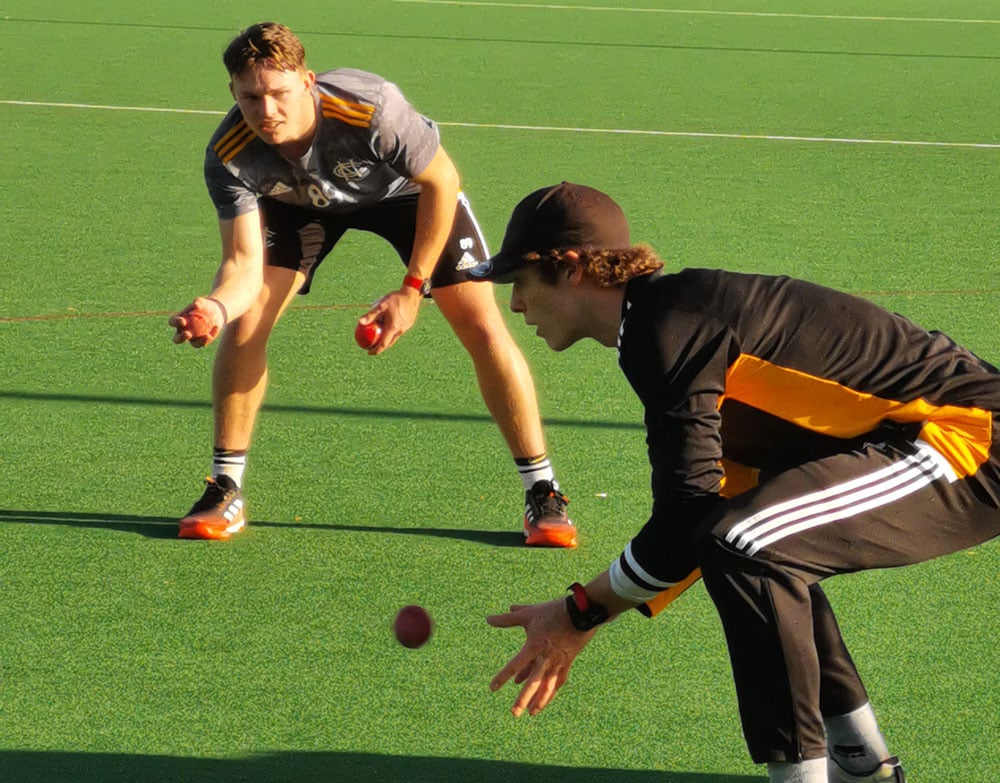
x=369 y=143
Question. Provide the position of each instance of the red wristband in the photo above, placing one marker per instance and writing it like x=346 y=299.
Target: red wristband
x=417 y=284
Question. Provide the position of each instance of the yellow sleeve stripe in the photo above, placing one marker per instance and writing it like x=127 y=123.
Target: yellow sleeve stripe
x=230 y=145
x=332 y=115
x=358 y=114
x=349 y=107
x=961 y=435
x=662 y=600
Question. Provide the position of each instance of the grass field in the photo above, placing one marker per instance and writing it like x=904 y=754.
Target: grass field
x=852 y=143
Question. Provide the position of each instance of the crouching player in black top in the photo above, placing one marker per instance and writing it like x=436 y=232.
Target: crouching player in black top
x=794 y=432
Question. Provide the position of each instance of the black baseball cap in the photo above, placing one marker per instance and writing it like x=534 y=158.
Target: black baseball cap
x=557 y=217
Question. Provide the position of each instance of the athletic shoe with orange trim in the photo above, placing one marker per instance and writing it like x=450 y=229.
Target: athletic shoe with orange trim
x=545 y=520
x=218 y=513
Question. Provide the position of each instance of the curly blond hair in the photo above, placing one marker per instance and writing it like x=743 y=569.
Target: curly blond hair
x=609 y=268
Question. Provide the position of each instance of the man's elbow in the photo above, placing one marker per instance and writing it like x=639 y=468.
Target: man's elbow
x=442 y=175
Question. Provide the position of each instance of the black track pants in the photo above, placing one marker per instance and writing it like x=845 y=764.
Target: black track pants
x=763 y=555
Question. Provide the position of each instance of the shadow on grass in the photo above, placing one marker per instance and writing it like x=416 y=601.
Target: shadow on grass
x=333 y=410
x=166 y=527
x=316 y=767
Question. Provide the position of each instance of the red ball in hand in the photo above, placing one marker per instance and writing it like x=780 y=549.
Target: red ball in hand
x=368 y=335
x=198 y=324
x=412 y=626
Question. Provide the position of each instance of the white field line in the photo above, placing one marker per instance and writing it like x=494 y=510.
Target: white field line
x=97 y=106
x=740 y=136
x=700 y=12
x=559 y=129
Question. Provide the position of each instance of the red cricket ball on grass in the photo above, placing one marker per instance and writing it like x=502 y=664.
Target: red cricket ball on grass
x=412 y=626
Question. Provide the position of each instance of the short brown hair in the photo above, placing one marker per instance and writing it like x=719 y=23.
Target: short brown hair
x=265 y=45
x=609 y=268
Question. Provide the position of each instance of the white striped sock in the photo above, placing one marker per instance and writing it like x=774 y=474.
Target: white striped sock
x=229 y=464
x=535 y=472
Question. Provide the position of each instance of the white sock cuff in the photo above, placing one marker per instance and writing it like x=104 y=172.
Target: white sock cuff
x=230 y=465
x=854 y=740
x=809 y=771
x=537 y=471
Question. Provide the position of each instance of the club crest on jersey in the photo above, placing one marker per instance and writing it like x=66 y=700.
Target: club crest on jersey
x=350 y=169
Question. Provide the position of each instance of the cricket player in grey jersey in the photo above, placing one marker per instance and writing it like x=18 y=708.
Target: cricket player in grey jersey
x=298 y=161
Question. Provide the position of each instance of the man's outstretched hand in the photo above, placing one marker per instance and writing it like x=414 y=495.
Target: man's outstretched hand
x=542 y=666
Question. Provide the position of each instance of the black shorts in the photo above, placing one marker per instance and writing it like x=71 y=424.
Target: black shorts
x=298 y=238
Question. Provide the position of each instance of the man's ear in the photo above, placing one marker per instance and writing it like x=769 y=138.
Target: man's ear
x=573 y=273
x=309 y=80
x=232 y=89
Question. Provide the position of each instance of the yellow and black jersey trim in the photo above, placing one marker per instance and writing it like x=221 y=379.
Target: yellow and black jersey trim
x=962 y=435
x=234 y=141
x=357 y=114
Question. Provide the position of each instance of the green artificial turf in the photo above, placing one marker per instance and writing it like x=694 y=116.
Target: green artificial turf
x=128 y=655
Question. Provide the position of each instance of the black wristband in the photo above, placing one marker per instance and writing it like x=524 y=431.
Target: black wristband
x=582 y=612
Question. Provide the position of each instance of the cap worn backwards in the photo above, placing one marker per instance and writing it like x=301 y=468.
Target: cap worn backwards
x=564 y=216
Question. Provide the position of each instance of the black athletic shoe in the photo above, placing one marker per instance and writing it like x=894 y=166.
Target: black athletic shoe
x=218 y=514
x=545 y=520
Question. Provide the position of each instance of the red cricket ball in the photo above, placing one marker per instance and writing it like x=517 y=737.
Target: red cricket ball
x=412 y=626
x=368 y=335
x=198 y=324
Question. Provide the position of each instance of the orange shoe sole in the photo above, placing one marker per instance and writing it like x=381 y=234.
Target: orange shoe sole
x=208 y=531
x=561 y=536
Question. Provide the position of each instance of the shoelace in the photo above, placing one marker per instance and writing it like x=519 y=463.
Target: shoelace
x=559 y=499
x=215 y=493
x=552 y=502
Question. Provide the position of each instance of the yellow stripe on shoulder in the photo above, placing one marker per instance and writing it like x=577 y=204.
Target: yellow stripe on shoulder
x=356 y=114
x=362 y=111
x=231 y=144
x=350 y=119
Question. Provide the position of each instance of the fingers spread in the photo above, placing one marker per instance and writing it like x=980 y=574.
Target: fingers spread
x=507 y=620
x=544 y=677
x=514 y=616
x=516 y=666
